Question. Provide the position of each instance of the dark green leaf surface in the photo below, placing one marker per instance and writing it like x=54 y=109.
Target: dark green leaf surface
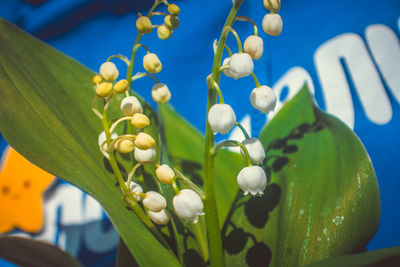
x=45 y=115
x=322 y=199
x=24 y=252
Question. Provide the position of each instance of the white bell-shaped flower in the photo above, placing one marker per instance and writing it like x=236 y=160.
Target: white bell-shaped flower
x=131 y=105
x=102 y=138
x=272 y=24
x=221 y=118
x=160 y=93
x=134 y=187
x=165 y=174
x=254 y=46
x=263 y=98
x=143 y=156
x=188 y=205
x=240 y=65
x=154 y=201
x=109 y=71
x=161 y=218
x=255 y=149
x=252 y=180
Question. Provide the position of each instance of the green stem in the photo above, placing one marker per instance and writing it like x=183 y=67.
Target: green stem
x=245 y=18
x=210 y=205
x=258 y=85
x=213 y=84
x=228 y=29
x=246 y=135
x=230 y=143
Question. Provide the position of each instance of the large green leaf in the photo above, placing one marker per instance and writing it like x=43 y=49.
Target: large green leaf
x=45 y=115
x=322 y=199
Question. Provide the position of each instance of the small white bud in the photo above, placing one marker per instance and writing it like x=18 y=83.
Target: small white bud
x=154 y=201
x=263 y=98
x=240 y=65
x=272 y=24
x=252 y=180
x=134 y=187
x=221 y=118
x=276 y=5
x=160 y=93
x=254 y=46
x=131 y=105
x=161 y=218
x=144 y=141
x=255 y=149
x=102 y=138
x=165 y=174
x=148 y=155
x=109 y=71
x=188 y=205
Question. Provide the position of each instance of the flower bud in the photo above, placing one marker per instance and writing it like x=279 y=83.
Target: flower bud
x=276 y=5
x=154 y=201
x=102 y=138
x=104 y=89
x=130 y=105
x=254 y=46
x=109 y=71
x=252 y=179
x=124 y=146
x=263 y=99
x=272 y=24
x=96 y=79
x=121 y=86
x=171 y=21
x=152 y=63
x=143 y=25
x=188 y=205
x=148 y=155
x=255 y=149
x=227 y=71
x=165 y=174
x=160 y=93
x=221 y=118
x=164 y=32
x=140 y=121
x=134 y=187
x=174 y=10
x=144 y=141
x=161 y=218
x=240 y=65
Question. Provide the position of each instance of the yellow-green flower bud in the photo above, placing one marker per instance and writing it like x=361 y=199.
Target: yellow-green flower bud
x=124 y=146
x=171 y=21
x=164 y=32
x=121 y=86
x=174 y=10
x=109 y=71
x=165 y=174
x=143 y=25
x=104 y=89
x=151 y=63
x=96 y=79
x=140 y=121
x=144 y=141
x=276 y=5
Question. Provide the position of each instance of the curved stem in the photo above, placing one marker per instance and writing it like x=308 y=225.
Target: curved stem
x=115 y=124
x=245 y=18
x=215 y=85
x=132 y=172
x=144 y=74
x=258 y=85
x=230 y=143
x=123 y=58
x=246 y=135
x=228 y=29
x=228 y=49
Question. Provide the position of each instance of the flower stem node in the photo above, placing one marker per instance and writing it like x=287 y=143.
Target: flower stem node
x=240 y=65
x=164 y=32
x=174 y=9
x=272 y=24
x=104 y=89
x=140 y=121
x=161 y=218
x=152 y=63
x=109 y=71
x=136 y=188
x=221 y=118
x=171 y=21
x=160 y=93
x=145 y=156
x=102 y=138
x=165 y=174
x=263 y=98
x=252 y=180
x=143 y=25
x=124 y=146
x=255 y=149
x=276 y=5
x=121 y=86
x=96 y=79
x=188 y=205
x=154 y=201
x=144 y=141
x=130 y=105
x=254 y=46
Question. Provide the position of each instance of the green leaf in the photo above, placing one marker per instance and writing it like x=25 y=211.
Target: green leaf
x=388 y=257
x=322 y=199
x=45 y=115
x=24 y=252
